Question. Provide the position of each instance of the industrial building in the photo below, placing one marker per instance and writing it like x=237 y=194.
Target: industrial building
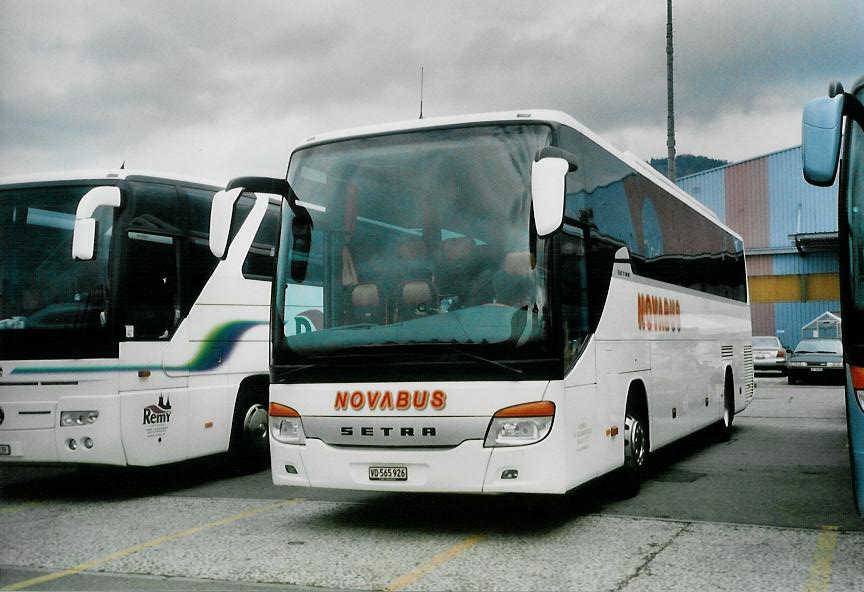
x=790 y=236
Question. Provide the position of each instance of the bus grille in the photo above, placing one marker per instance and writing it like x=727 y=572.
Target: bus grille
x=726 y=352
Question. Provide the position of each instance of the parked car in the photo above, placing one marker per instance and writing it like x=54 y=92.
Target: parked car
x=769 y=354
x=814 y=359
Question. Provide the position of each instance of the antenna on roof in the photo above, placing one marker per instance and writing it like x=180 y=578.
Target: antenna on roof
x=421 y=92
x=123 y=166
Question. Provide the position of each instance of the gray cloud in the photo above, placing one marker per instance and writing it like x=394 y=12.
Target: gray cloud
x=234 y=85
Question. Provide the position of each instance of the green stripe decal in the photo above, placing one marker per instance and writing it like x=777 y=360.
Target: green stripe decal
x=215 y=348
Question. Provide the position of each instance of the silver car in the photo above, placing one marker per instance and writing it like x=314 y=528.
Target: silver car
x=769 y=354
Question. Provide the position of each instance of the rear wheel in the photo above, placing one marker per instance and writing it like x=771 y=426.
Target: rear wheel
x=724 y=426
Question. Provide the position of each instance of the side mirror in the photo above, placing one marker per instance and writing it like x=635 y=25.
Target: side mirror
x=821 y=130
x=221 y=214
x=84 y=233
x=548 y=171
x=84 y=239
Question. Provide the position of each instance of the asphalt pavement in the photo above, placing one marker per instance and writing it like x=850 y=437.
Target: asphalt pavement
x=769 y=510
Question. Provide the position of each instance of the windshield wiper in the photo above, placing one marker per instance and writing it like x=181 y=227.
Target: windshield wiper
x=485 y=360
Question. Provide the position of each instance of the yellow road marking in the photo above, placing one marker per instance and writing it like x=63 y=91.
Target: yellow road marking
x=820 y=568
x=424 y=568
x=18 y=507
x=146 y=545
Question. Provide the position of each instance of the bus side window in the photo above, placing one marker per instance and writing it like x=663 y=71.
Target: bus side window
x=258 y=264
x=573 y=292
x=150 y=301
x=152 y=295
x=601 y=259
x=197 y=262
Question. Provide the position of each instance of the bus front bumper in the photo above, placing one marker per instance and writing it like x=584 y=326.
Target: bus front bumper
x=467 y=468
x=31 y=432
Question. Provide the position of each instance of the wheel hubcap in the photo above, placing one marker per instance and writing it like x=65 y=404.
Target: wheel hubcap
x=255 y=423
x=635 y=443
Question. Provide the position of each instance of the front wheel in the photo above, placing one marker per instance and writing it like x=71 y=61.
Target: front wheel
x=635 y=454
x=249 y=435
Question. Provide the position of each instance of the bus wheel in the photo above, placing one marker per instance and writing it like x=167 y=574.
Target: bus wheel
x=635 y=452
x=255 y=425
x=724 y=426
x=249 y=434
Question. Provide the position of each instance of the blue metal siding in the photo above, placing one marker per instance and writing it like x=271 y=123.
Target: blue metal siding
x=794 y=205
x=795 y=264
x=791 y=316
x=709 y=188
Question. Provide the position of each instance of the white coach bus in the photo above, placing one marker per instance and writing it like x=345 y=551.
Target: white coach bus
x=122 y=339
x=509 y=305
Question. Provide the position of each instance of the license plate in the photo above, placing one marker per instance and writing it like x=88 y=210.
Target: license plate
x=388 y=473
x=5 y=450
x=815 y=369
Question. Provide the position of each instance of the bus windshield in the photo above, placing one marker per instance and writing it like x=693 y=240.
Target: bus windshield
x=420 y=244
x=50 y=305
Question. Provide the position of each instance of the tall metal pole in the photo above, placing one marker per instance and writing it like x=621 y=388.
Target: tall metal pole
x=670 y=107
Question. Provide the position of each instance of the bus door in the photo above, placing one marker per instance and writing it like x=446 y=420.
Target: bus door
x=153 y=352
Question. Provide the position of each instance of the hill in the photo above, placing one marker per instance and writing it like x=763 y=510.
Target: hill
x=688 y=164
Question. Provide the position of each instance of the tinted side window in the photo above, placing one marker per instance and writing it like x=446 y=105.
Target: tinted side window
x=258 y=264
x=198 y=202
x=667 y=239
x=197 y=262
x=150 y=292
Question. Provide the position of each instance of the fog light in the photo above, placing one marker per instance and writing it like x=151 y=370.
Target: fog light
x=510 y=474
x=88 y=443
x=70 y=418
x=291 y=469
x=71 y=444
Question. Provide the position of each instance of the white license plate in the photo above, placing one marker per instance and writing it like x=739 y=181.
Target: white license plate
x=5 y=450
x=815 y=369
x=388 y=473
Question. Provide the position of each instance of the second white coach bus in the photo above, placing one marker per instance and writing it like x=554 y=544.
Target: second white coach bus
x=123 y=340
x=508 y=305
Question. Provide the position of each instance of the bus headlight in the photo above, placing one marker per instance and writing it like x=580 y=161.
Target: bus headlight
x=834 y=364
x=286 y=425
x=78 y=418
x=520 y=425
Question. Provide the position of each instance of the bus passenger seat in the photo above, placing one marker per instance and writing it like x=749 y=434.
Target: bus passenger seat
x=417 y=298
x=513 y=284
x=456 y=267
x=369 y=305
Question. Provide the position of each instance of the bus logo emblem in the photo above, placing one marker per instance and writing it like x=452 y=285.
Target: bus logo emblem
x=654 y=313
x=389 y=400
x=159 y=413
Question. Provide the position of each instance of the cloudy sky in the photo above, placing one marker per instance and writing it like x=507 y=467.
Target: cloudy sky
x=218 y=89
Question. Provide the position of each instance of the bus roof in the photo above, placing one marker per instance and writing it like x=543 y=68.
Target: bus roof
x=103 y=175
x=522 y=115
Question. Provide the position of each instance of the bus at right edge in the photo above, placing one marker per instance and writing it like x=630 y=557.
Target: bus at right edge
x=826 y=121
